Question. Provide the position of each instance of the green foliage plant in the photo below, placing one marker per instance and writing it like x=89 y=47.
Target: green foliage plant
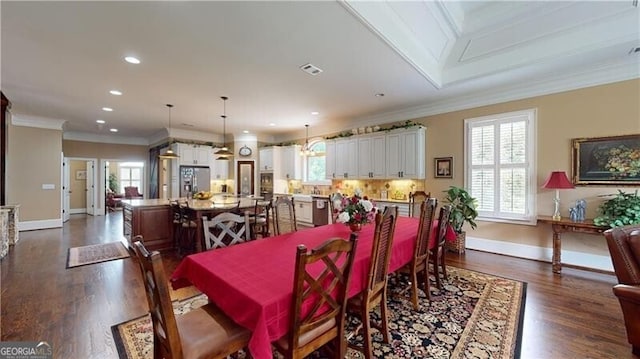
x=621 y=210
x=113 y=182
x=463 y=208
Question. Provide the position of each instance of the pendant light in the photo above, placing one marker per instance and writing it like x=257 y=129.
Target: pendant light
x=169 y=154
x=306 y=150
x=224 y=153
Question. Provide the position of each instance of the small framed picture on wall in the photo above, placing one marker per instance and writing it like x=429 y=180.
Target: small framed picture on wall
x=81 y=175
x=443 y=167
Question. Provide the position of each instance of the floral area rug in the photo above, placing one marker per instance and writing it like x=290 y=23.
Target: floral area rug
x=475 y=315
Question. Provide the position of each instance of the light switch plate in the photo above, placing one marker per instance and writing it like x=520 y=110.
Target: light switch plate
x=48 y=186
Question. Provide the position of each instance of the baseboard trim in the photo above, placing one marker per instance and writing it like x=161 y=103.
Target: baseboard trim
x=544 y=254
x=77 y=210
x=43 y=224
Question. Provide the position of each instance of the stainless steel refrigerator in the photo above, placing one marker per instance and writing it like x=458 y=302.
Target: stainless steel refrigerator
x=194 y=179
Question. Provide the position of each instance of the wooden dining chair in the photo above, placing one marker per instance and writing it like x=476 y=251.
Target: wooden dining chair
x=419 y=265
x=226 y=229
x=320 y=286
x=375 y=292
x=284 y=215
x=415 y=200
x=437 y=255
x=259 y=218
x=204 y=332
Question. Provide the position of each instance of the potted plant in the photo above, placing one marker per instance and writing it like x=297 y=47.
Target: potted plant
x=113 y=182
x=621 y=210
x=463 y=210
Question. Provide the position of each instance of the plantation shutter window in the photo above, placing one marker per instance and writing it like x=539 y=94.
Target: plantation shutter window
x=500 y=166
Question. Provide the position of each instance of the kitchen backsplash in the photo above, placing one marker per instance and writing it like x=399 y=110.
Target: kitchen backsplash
x=394 y=189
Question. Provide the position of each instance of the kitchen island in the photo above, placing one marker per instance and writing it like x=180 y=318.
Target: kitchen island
x=152 y=218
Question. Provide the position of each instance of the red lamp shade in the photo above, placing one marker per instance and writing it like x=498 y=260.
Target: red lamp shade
x=557 y=180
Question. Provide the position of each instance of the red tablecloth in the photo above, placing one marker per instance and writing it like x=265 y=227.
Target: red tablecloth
x=252 y=282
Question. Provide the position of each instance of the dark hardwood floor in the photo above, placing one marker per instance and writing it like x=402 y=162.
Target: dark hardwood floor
x=573 y=315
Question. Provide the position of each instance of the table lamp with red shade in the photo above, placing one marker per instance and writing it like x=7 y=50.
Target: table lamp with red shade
x=557 y=180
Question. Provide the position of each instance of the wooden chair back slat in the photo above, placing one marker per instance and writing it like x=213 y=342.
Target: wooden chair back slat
x=226 y=229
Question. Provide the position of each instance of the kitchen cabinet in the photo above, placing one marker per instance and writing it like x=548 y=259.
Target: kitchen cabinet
x=347 y=166
x=330 y=159
x=290 y=163
x=405 y=153
x=304 y=210
x=371 y=161
x=151 y=219
x=266 y=157
x=219 y=168
x=194 y=155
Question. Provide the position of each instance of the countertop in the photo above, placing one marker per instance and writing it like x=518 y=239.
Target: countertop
x=375 y=199
x=217 y=201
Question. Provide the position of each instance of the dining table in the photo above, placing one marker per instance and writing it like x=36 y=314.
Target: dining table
x=252 y=282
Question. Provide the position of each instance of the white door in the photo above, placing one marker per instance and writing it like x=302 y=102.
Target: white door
x=65 y=190
x=90 y=189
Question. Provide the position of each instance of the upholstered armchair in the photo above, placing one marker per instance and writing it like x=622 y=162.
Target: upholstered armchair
x=624 y=246
x=131 y=192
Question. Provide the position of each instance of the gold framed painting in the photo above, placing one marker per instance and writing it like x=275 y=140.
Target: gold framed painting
x=613 y=160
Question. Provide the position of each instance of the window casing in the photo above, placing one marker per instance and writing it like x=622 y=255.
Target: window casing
x=315 y=166
x=500 y=166
x=131 y=175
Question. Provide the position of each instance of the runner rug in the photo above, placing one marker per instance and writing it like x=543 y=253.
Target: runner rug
x=79 y=256
x=475 y=315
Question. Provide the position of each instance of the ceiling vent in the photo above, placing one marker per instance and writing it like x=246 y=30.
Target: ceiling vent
x=634 y=50
x=311 y=69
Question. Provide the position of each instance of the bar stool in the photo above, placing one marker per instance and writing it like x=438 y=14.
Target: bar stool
x=259 y=218
x=187 y=229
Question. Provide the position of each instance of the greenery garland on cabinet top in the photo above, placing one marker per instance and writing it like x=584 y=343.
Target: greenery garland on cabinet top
x=621 y=210
x=405 y=124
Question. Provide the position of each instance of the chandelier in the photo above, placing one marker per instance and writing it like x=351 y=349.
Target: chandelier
x=306 y=149
x=224 y=153
x=169 y=154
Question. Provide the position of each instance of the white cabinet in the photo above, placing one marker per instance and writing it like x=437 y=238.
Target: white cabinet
x=330 y=159
x=347 y=163
x=371 y=161
x=304 y=211
x=219 y=168
x=267 y=156
x=405 y=154
x=290 y=163
x=194 y=155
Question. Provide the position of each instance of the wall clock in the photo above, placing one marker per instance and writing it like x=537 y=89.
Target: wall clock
x=244 y=151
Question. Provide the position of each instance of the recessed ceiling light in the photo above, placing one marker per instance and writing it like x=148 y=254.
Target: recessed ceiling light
x=245 y=131
x=380 y=94
x=272 y=124
x=113 y=129
x=115 y=92
x=132 y=60
x=108 y=109
x=315 y=113
x=100 y=121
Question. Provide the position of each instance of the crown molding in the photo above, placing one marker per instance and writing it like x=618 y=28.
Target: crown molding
x=37 y=122
x=90 y=137
x=590 y=78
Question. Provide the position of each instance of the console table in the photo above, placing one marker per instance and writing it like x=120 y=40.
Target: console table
x=567 y=225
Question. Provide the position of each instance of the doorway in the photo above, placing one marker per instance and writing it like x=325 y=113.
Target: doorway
x=79 y=190
x=245 y=182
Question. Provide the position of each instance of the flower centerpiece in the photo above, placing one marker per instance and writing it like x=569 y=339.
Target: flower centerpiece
x=355 y=211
